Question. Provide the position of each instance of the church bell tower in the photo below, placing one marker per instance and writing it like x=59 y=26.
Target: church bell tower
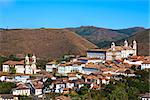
x=135 y=47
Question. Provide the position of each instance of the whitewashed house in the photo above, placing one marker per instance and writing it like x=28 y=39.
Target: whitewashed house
x=70 y=84
x=104 y=80
x=145 y=96
x=59 y=87
x=145 y=65
x=38 y=87
x=18 y=65
x=23 y=67
x=5 y=68
x=96 y=53
x=92 y=79
x=21 y=89
x=72 y=76
x=50 y=66
x=65 y=68
x=70 y=67
x=3 y=78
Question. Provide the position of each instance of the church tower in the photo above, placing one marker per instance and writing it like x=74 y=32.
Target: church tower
x=125 y=43
x=27 y=62
x=27 y=65
x=113 y=46
x=33 y=65
x=33 y=59
x=135 y=47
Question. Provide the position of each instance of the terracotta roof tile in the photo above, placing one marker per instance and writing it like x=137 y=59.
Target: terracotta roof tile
x=10 y=62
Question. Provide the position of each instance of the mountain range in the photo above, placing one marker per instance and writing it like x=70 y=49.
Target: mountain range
x=54 y=43
x=102 y=37
x=44 y=43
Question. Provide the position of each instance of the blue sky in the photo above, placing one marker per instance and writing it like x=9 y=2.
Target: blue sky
x=114 y=14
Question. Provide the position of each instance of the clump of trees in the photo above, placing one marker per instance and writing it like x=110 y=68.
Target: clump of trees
x=6 y=87
x=128 y=88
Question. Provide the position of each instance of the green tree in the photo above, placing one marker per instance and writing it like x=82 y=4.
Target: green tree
x=41 y=64
x=132 y=93
x=13 y=57
x=119 y=93
x=83 y=90
x=2 y=59
x=24 y=97
x=12 y=70
x=6 y=87
x=51 y=96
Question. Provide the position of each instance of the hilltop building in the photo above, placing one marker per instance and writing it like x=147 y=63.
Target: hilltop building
x=114 y=52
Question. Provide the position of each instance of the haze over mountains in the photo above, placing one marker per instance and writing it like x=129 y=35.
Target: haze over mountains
x=54 y=43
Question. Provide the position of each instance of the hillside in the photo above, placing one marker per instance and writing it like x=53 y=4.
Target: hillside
x=102 y=37
x=44 y=43
x=142 y=39
x=130 y=31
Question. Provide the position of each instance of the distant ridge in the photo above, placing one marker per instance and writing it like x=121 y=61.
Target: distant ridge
x=45 y=43
x=102 y=37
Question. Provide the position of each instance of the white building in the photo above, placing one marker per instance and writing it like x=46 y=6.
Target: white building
x=21 y=89
x=50 y=66
x=22 y=67
x=94 y=60
x=38 y=87
x=96 y=53
x=64 y=68
x=115 y=52
x=145 y=96
x=17 y=65
x=67 y=68
x=145 y=65
x=118 y=52
x=30 y=66
x=70 y=85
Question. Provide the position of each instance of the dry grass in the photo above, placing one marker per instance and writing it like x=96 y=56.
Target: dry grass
x=44 y=43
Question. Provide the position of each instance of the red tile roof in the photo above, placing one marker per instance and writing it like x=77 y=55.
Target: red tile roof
x=21 y=87
x=10 y=62
x=38 y=84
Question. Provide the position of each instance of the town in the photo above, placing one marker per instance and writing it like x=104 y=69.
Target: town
x=64 y=79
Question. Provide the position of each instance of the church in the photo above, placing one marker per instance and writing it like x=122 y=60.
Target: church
x=118 y=52
x=114 y=52
x=30 y=65
x=27 y=66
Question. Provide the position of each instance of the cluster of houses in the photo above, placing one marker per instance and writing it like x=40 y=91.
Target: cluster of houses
x=27 y=66
x=94 y=70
